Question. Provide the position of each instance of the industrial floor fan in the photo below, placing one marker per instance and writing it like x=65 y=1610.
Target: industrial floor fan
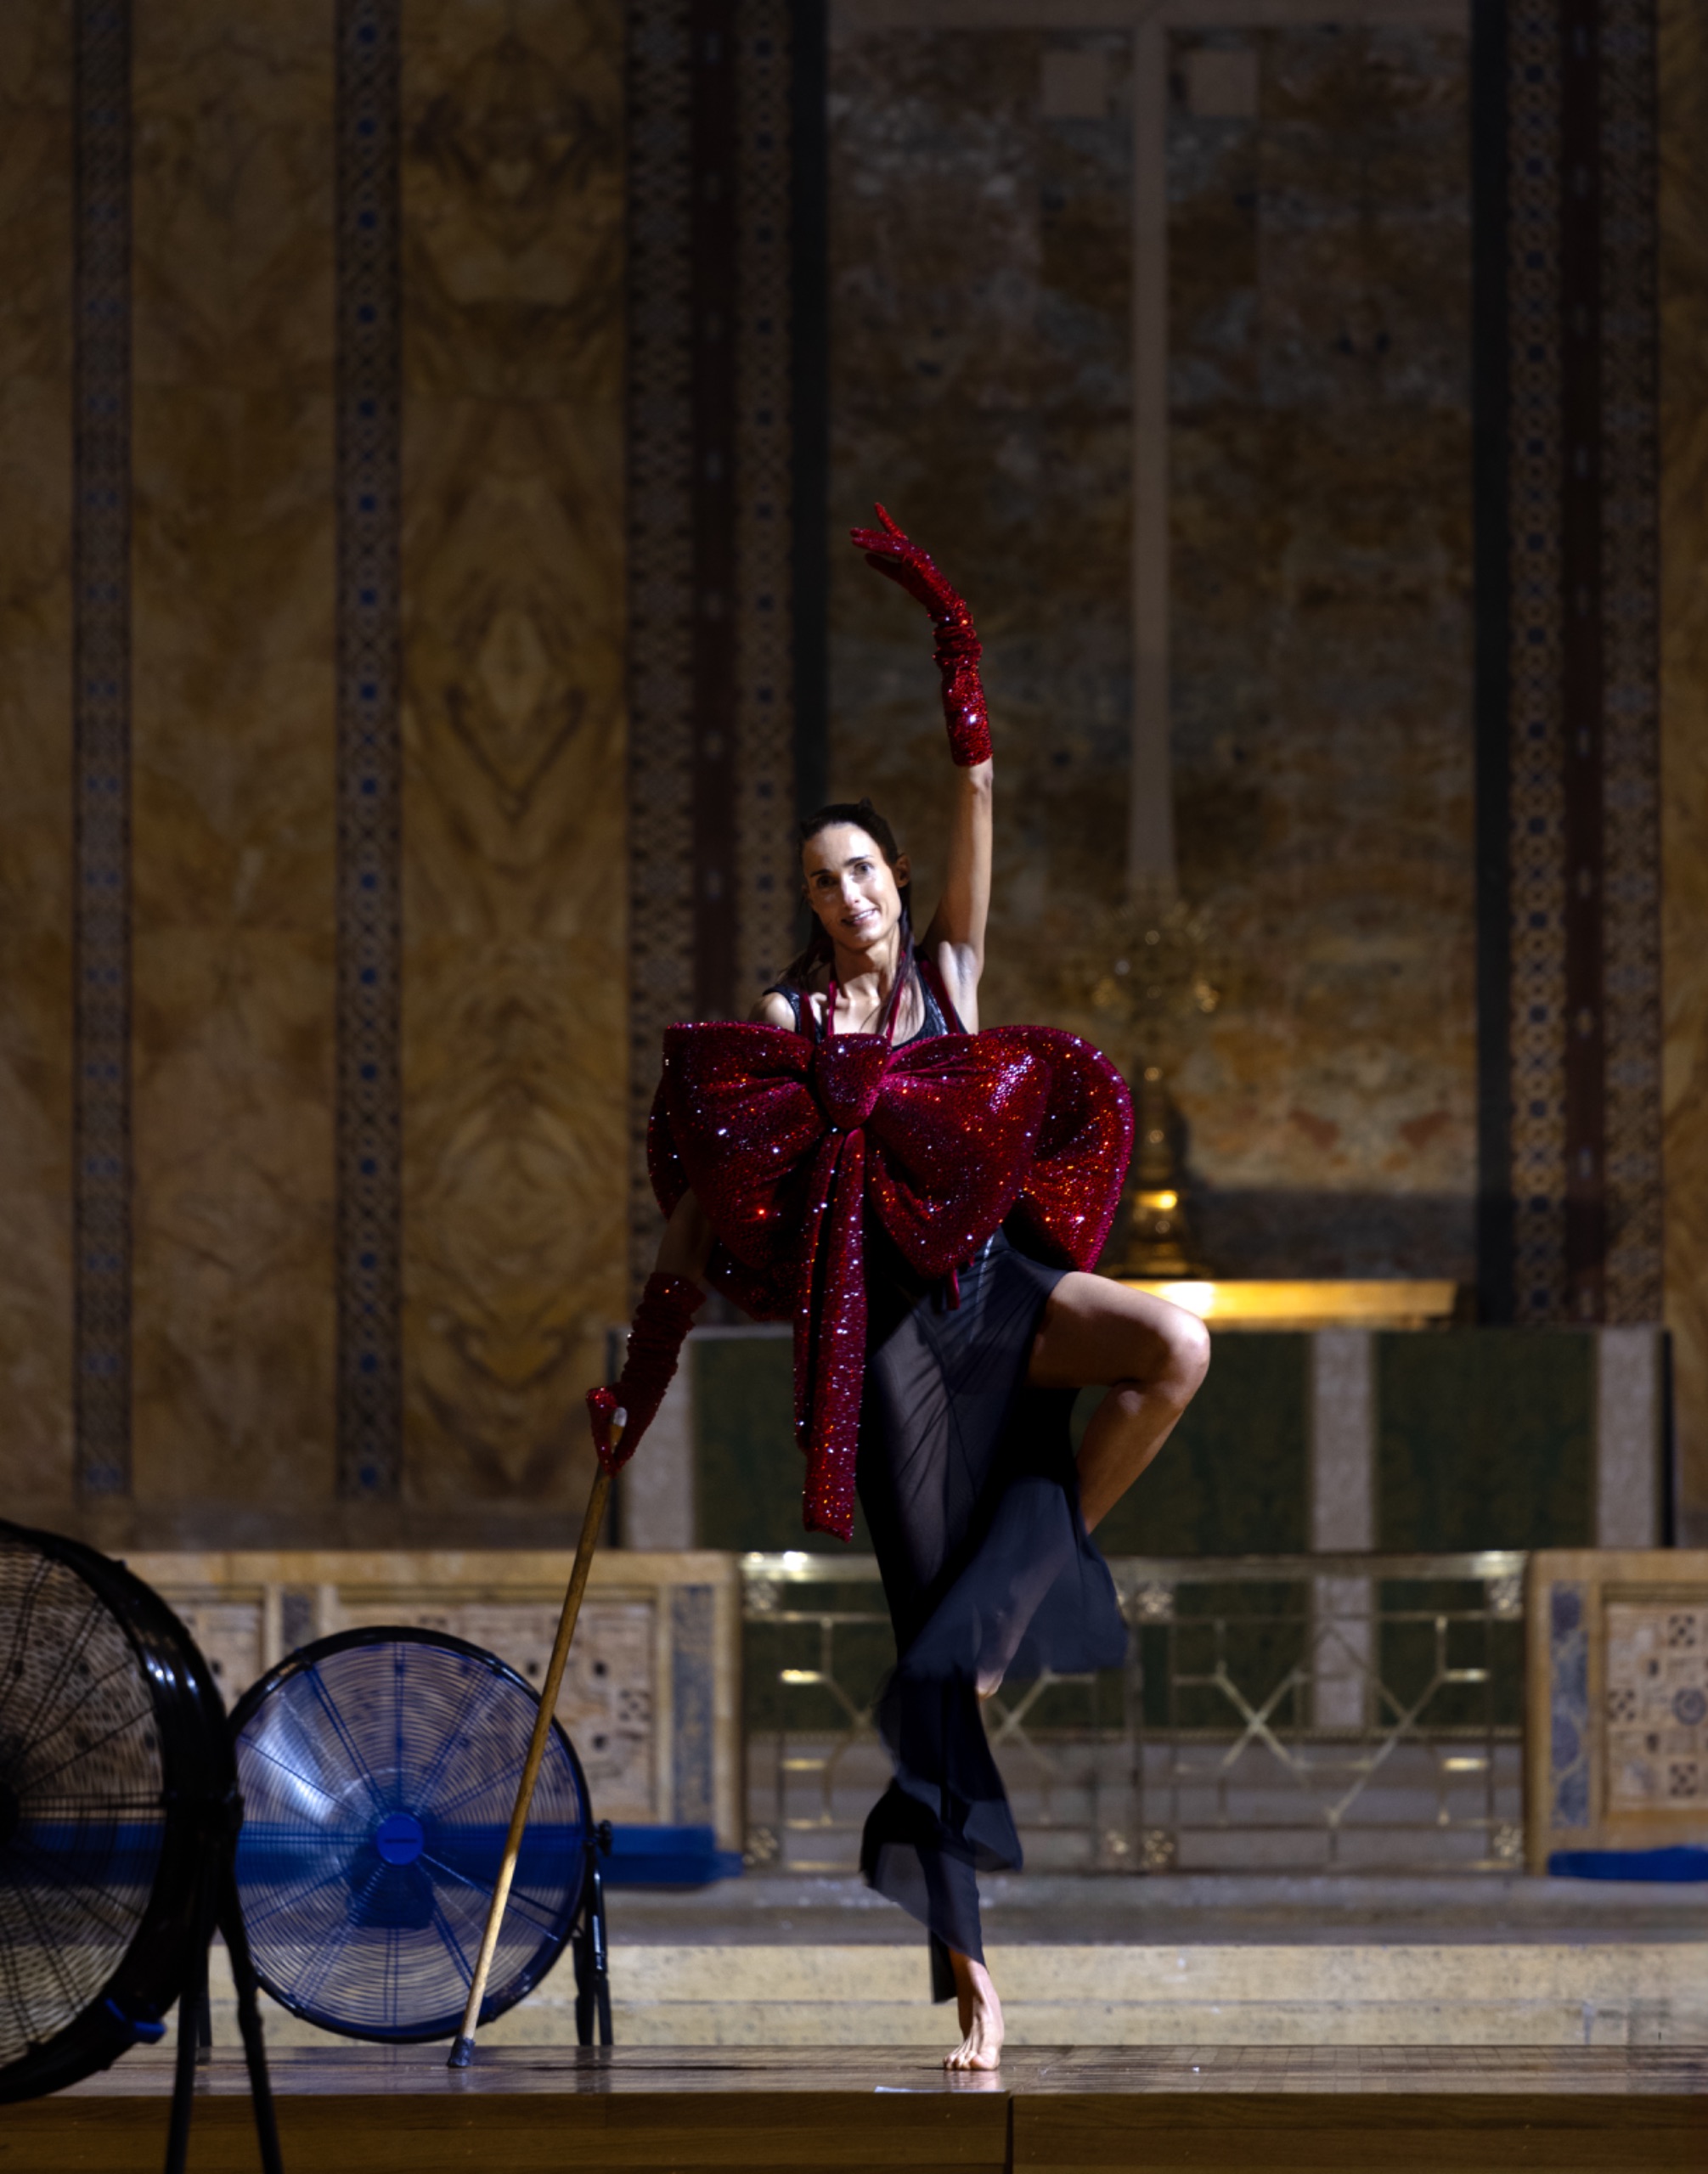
x=378 y=1768
x=118 y=1814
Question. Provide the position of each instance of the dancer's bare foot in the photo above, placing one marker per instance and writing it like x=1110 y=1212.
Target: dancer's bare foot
x=981 y=2017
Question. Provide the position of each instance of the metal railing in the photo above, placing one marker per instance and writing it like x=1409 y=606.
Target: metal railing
x=1283 y=1713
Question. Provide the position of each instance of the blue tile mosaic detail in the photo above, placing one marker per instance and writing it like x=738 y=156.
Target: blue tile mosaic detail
x=369 y=765
x=691 y=1617
x=101 y=734
x=1569 y=1738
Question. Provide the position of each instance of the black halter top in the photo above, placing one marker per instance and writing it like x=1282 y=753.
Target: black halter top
x=939 y=1012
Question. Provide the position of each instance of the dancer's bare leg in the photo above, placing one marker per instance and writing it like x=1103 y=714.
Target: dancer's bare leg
x=981 y=2017
x=1151 y=1354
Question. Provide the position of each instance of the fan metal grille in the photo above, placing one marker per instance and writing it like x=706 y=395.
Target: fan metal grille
x=82 y=1815
x=378 y=1770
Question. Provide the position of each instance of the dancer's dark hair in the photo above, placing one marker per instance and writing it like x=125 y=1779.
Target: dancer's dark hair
x=802 y=970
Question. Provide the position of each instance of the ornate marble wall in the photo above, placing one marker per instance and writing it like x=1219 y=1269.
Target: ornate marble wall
x=36 y=746
x=232 y=832
x=1320 y=452
x=514 y=1061
x=1320 y=596
x=513 y=1058
x=1684 y=729
x=982 y=260
x=981 y=282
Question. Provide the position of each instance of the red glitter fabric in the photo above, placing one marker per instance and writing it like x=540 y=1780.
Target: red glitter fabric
x=958 y=649
x=788 y=1145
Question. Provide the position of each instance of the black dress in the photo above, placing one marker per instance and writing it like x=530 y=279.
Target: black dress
x=965 y=1474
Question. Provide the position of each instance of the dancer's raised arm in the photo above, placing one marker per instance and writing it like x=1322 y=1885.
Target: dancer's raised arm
x=955 y=942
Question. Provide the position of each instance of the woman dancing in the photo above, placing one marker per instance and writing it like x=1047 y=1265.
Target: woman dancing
x=924 y=1200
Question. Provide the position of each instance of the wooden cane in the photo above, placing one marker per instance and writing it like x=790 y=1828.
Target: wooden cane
x=463 y=2051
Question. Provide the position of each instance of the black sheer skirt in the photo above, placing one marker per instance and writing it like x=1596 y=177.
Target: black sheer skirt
x=967 y=1477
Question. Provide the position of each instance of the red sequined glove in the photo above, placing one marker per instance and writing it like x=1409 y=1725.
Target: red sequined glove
x=663 y=1317
x=958 y=647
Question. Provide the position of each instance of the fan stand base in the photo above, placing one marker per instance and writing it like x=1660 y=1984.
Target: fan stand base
x=592 y=1957
x=221 y=1911
x=591 y=1949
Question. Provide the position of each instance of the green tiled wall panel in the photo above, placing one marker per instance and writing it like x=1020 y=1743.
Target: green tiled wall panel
x=748 y=1474
x=1233 y=1477
x=1485 y=1437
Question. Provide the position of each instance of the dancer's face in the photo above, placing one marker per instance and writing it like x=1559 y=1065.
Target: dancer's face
x=852 y=888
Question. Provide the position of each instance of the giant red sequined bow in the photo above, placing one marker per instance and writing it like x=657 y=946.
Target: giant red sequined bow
x=787 y=1144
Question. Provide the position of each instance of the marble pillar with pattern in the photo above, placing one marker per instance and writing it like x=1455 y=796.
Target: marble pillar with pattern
x=233 y=808
x=37 y=362
x=514 y=1056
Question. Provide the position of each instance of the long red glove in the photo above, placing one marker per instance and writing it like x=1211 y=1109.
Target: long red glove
x=958 y=647
x=663 y=1317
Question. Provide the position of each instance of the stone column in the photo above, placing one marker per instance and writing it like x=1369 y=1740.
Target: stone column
x=1628 y=1438
x=1343 y=1519
x=657 y=1506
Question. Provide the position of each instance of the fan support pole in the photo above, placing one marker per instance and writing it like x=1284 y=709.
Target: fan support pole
x=463 y=2051
x=218 y=1905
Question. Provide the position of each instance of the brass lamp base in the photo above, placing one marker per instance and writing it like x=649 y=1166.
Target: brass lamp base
x=1159 y=1238
x=1154 y=1236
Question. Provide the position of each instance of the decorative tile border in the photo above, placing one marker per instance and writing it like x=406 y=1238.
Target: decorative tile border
x=764 y=798
x=1617 y=1718
x=661 y=644
x=1535 y=903
x=809 y=428
x=693 y=1704
x=1579 y=469
x=1568 y=1709
x=713 y=307
x=101 y=729
x=710 y=528
x=1631 y=729
x=1583 y=1014
x=368 y=785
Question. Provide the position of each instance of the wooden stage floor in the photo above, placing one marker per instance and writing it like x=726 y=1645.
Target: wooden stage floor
x=356 y=2110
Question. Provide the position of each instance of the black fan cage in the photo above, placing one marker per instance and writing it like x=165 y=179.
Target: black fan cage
x=378 y=1768
x=116 y=1778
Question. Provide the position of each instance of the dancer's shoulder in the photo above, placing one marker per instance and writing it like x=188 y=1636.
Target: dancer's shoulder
x=777 y=1007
